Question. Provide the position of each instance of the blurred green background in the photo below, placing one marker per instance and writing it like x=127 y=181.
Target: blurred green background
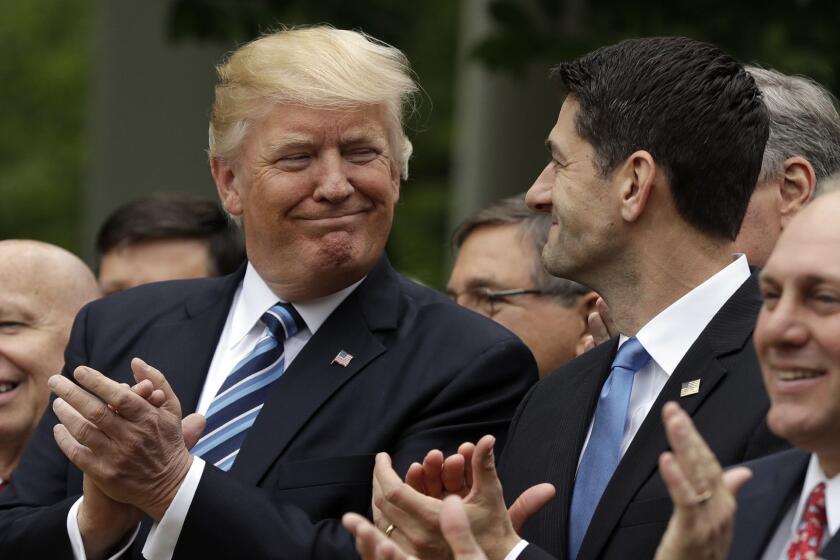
x=96 y=96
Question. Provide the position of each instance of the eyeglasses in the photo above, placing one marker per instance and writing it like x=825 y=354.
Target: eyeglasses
x=486 y=301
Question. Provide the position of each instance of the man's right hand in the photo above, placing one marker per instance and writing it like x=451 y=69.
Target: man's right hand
x=416 y=516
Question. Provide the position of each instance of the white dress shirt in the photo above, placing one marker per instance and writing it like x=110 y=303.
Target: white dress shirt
x=786 y=531
x=242 y=329
x=667 y=337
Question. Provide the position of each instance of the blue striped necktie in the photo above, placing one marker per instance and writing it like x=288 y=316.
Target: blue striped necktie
x=603 y=452
x=235 y=407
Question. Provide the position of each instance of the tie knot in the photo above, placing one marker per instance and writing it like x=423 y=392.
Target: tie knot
x=631 y=355
x=816 y=503
x=283 y=320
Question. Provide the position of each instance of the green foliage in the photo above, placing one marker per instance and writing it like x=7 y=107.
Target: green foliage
x=44 y=72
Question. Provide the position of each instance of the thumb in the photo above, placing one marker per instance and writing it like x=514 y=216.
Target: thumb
x=530 y=502
x=734 y=479
x=456 y=530
x=192 y=427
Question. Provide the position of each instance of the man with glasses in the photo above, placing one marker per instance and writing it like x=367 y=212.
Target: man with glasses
x=498 y=273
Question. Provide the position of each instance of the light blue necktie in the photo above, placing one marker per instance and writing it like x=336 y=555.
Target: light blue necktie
x=235 y=407
x=603 y=452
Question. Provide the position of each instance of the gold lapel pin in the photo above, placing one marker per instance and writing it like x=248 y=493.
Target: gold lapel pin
x=690 y=388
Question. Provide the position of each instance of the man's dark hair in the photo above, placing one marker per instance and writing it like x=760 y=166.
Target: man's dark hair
x=691 y=106
x=175 y=216
x=533 y=228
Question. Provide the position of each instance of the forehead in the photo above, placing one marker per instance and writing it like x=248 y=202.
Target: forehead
x=23 y=295
x=565 y=129
x=496 y=250
x=809 y=249
x=296 y=122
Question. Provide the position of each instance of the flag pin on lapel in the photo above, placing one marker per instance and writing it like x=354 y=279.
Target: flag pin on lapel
x=342 y=359
x=690 y=388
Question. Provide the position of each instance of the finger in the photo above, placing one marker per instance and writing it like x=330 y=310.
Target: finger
x=696 y=460
x=142 y=370
x=682 y=492
x=144 y=389
x=588 y=344
x=89 y=406
x=530 y=502
x=388 y=550
x=456 y=530
x=129 y=405
x=192 y=426
x=411 y=512
x=77 y=453
x=432 y=465
x=735 y=478
x=606 y=317
x=82 y=431
x=364 y=533
x=597 y=328
x=157 y=398
x=416 y=477
x=467 y=450
x=485 y=480
x=453 y=475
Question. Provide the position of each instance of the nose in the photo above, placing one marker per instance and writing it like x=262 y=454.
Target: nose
x=333 y=183
x=782 y=324
x=538 y=197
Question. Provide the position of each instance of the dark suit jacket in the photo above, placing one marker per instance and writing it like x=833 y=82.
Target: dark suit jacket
x=763 y=502
x=425 y=374
x=550 y=427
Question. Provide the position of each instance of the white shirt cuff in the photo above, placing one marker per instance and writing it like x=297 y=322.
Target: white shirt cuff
x=76 y=536
x=517 y=550
x=163 y=537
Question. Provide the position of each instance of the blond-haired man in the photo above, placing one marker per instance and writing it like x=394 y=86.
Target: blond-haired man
x=313 y=357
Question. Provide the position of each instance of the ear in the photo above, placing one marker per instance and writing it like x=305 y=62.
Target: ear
x=797 y=188
x=396 y=177
x=584 y=306
x=224 y=174
x=637 y=178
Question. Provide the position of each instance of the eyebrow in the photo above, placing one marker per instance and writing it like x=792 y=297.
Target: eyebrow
x=553 y=149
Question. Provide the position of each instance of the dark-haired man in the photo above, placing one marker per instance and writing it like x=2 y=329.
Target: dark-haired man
x=498 y=272
x=654 y=156
x=170 y=236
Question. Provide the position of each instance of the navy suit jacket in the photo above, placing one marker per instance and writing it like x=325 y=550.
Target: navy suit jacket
x=763 y=502
x=425 y=374
x=549 y=429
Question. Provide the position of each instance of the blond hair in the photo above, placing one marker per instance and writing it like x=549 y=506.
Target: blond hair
x=318 y=67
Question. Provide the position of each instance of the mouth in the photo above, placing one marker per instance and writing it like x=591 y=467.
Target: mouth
x=8 y=390
x=798 y=374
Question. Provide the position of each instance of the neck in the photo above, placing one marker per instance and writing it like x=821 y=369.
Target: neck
x=830 y=464
x=653 y=277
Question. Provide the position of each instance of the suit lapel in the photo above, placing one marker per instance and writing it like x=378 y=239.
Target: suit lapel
x=765 y=500
x=561 y=464
x=312 y=379
x=183 y=349
x=728 y=332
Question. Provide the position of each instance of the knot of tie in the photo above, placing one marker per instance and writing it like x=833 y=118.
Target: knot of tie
x=283 y=320
x=631 y=355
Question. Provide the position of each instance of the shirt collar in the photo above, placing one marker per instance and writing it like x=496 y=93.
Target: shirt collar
x=255 y=297
x=668 y=336
x=813 y=476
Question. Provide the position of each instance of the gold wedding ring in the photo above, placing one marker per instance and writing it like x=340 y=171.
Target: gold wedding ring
x=390 y=530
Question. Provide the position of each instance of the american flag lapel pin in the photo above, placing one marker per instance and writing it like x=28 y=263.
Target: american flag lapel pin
x=690 y=388
x=342 y=359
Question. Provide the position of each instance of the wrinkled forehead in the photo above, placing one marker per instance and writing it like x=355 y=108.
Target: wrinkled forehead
x=808 y=251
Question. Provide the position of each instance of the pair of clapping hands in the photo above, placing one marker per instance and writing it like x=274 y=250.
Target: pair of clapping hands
x=131 y=443
x=454 y=507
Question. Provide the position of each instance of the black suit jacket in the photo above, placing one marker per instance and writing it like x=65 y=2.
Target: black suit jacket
x=425 y=374
x=763 y=502
x=549 y=429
